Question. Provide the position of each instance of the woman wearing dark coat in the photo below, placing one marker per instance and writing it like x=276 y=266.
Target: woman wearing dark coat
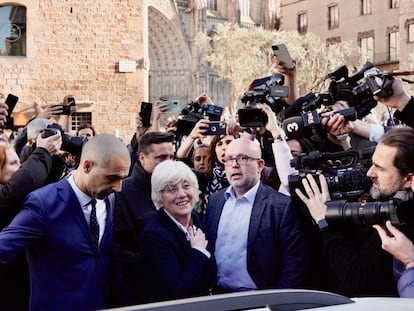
x=177 y=264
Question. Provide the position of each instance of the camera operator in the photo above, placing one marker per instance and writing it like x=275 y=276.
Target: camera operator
x=363 y=269
x=402 y=248
x=356 y=134
x=401 y=101
x=283 y=150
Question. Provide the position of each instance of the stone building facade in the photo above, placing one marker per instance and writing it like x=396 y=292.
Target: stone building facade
x=383 y=29
x=113 y=54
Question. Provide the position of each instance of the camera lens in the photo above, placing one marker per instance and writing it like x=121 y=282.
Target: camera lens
x=343 y=214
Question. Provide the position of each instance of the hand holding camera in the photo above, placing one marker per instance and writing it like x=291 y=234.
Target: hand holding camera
x=398 y=99
x=50 y=139
x=314 y=198
x=199 y=129
x=271 y=124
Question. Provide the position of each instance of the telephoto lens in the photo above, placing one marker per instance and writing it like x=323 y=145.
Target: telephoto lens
x=399 y=210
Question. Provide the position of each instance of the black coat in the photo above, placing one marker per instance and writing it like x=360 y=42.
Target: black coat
x=406 y=115
x=173 y=269
x=359 y=266
x=133 y=210
x=14 y=293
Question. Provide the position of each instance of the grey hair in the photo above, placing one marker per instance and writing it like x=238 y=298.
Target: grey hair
x=170 y=172
x=36 y=126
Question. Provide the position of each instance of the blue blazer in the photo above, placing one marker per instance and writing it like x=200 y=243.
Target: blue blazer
x=277 y=255
x=172 y=269
x=65 y=271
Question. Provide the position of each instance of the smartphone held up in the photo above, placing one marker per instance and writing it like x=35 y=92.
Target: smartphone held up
x=282 y=53
x=145 y=113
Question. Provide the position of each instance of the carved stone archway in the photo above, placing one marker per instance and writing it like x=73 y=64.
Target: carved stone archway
x=169 y=54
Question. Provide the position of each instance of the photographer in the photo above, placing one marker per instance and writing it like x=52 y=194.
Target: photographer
x=283 y=150
x=401 y=101
x=363 y=269
x=402 y=248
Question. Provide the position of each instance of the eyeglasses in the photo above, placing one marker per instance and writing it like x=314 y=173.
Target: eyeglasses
x=240 y=160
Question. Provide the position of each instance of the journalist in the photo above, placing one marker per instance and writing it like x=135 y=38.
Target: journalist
x=401 y=101
x=365 y=270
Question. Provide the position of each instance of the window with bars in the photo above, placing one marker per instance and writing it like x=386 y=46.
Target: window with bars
x=79 y=118
x=13 y=30
x=302 y=22
x=333 y=16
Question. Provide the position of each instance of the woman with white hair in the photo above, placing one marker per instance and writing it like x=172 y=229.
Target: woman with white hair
x=177 y=264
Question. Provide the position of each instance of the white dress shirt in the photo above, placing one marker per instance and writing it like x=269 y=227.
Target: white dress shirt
x=84 y=201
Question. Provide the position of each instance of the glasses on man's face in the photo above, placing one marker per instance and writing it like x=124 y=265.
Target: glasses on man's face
x=240 y=160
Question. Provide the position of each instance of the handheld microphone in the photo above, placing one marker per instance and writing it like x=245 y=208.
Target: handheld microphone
x=293 y=127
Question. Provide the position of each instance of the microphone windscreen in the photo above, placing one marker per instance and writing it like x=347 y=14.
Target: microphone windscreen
x=293 y=127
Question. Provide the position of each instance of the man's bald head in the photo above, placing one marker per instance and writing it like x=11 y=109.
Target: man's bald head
x=104 y=163
x=243 y=164
x=245 y=146
x=102 y=147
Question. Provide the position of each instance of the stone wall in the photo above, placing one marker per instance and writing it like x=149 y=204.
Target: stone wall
x=73 y=47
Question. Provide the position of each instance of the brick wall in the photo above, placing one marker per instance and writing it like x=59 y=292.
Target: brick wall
x=73 y=47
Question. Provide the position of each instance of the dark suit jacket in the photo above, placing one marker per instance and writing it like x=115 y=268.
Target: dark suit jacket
x=277 y=255
x=65 y=271
x=133 y=210
x=172 y=268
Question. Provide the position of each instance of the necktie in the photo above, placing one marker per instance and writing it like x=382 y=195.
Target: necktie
x=93 y=224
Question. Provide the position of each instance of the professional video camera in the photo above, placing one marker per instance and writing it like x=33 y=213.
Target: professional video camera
x=344 y=172
x=309 y=122
x=70 y=143
x=267 y=90
x=360 y=94
x=399 y=210
x=195 y=111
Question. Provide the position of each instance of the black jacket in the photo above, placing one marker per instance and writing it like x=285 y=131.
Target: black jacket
x=173 y=269
x=406 y=115
x=33 y=174
x=360 y=266
x=133 y=210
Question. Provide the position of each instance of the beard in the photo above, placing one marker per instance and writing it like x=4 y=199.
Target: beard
x=383 y=194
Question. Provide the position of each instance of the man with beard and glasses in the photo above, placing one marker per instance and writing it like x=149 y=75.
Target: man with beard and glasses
x=359 y=266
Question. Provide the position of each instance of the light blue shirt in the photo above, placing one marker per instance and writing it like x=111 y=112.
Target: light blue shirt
x=231 y=243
